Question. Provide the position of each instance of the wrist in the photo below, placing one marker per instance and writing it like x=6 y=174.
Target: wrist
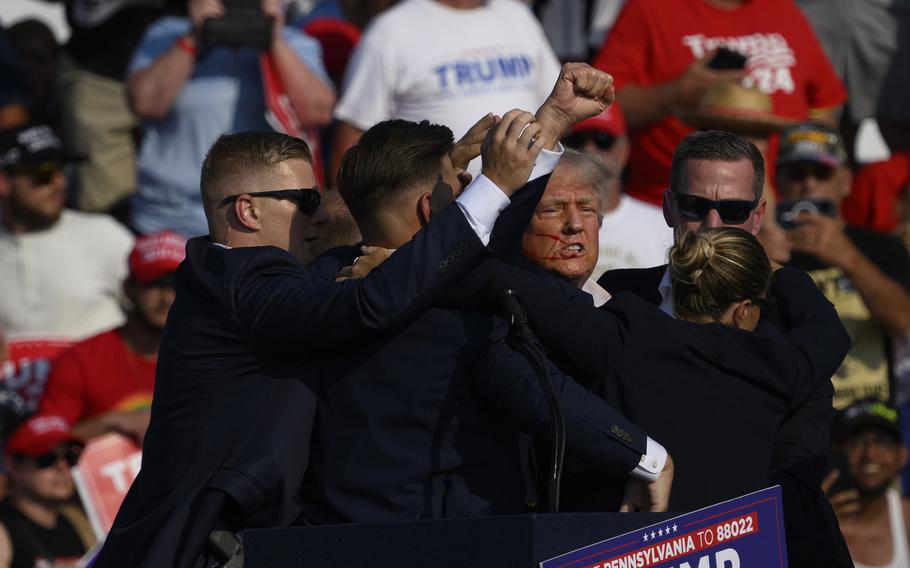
x=553 y=124
x=850 y=260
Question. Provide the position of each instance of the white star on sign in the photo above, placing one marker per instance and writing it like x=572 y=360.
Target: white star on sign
x=667 y=530
x=674 y=528
x=653 y=535
x=660 y=532
x=646 y=537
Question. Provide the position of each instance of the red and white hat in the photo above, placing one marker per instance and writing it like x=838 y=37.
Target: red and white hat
x=610 y=121
x=156 y=255
x=38 y=436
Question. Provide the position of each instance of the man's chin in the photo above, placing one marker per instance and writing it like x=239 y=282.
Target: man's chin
x=873 y=491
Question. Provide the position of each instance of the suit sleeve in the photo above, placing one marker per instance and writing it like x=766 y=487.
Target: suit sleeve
x=505 y=242
x=564 y=319
x=280 y=304
x=813 y=327
x=594 y=430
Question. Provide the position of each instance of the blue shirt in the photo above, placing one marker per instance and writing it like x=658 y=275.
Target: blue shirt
x=223 y=95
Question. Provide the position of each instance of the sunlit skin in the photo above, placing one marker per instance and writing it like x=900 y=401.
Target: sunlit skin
x=287 y=224
x=31 y=205
x=715 y=180
x=563 y=234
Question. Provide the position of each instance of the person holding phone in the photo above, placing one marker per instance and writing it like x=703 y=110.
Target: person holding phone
x=866 y=275
x=873 y=516
x=664 y=54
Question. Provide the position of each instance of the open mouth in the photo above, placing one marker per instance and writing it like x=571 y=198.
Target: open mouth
x=571 y=250
x=871 y=469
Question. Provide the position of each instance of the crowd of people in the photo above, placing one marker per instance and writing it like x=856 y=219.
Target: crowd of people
x=267 y=243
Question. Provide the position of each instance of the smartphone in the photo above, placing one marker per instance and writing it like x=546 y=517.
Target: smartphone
x=727 y=59
x=844 y=481
x=788 y=212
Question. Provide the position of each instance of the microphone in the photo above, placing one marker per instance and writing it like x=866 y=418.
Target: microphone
x=521 y=339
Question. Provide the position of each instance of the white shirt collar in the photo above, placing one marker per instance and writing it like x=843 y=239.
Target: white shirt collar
x=597 y=292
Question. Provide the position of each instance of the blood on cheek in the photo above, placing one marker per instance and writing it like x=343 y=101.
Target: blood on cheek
x=556 y=238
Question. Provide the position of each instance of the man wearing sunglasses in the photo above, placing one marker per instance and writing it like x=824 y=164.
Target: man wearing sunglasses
x=717 y=180
x=35 y=524
x=228 y=440
x=865 y=274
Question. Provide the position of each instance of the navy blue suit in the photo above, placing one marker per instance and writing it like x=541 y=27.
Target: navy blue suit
x=425 y=423
x=235 y=388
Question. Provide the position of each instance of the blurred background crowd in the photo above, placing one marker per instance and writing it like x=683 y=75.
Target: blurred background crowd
x=105 y=120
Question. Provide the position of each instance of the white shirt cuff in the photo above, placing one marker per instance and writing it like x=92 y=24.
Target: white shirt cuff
x=546 y=162
x=482 y=202
x=652 y=463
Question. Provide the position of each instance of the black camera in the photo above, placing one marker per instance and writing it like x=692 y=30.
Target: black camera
x=242 y=25
x=788 y=212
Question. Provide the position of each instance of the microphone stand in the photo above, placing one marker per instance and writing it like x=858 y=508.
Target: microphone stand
x=521 y=339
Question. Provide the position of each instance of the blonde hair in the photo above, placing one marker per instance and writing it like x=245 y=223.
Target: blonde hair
x=714 y=268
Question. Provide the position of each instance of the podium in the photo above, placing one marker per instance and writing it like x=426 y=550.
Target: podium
x=507 y=541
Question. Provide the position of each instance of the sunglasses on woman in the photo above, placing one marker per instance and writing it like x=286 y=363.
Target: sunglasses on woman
x=731 y=211
x=307 y=198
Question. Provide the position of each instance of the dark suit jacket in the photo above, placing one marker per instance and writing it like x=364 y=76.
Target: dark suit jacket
x=425 y=422
x=712 y=395
x=800 y=452
x=234 y=392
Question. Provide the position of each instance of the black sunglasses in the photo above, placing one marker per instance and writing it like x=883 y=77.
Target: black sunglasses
x=798 y=171
x=307 y=198
x=42 y=173
x=731 y=211
x=602 y=140
x=69 y=452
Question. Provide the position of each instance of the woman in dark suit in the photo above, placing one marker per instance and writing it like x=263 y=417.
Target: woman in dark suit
x=713 y=385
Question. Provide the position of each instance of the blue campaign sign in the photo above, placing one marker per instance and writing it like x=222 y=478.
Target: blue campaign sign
x=746 y=532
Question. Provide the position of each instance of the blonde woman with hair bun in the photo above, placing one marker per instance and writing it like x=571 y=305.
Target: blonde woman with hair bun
x=712 y=386
x=720 y=276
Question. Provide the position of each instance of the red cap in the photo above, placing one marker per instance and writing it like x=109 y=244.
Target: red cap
x=156 y=255
x=38 y=436
x=337 y=39
x=610 y=121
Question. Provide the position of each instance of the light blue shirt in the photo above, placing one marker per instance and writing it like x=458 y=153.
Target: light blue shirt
x=223 y=95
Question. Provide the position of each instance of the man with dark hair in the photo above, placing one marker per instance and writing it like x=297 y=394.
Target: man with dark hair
x=434 y=411
x=227 y=444
x=718 y=182
x=398 y=156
